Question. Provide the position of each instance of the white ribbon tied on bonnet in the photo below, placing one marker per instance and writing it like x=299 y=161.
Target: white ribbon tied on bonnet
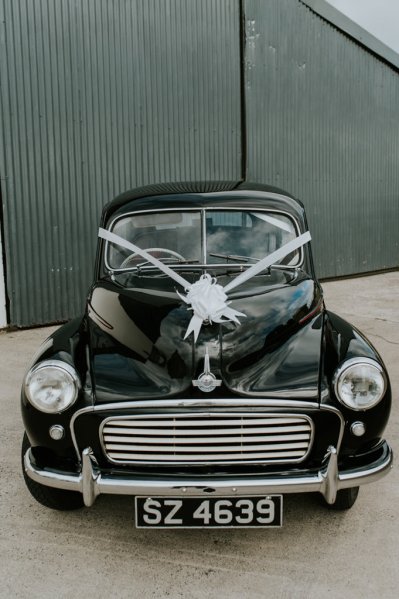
x=208 y=302
x=206 y=298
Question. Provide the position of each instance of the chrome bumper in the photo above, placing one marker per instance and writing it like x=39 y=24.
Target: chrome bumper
x=91 y=482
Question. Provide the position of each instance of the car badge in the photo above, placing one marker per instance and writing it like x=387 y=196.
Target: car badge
x=207 y=381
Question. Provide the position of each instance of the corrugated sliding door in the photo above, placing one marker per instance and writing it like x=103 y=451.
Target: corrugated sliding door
x=323 y=123
x=98 y=97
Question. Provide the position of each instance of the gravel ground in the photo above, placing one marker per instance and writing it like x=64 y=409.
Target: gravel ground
x=97 y=552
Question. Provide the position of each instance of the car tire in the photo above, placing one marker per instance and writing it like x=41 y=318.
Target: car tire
x=345 y=499
x=56 y=499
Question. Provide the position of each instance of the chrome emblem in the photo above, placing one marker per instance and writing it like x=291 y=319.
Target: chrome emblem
x=207 y=381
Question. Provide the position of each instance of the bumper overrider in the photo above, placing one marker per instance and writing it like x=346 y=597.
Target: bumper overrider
x=91 y=481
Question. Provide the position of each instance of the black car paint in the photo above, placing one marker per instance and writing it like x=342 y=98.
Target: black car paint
x=138 y=349
x=288 y=342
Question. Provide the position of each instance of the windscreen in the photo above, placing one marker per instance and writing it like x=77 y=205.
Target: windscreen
x=247 y=235
x=219 y=236
x=173 y=237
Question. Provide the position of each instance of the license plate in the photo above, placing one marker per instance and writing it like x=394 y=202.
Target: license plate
x=209 y=512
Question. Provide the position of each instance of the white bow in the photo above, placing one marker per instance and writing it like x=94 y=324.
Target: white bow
x=208 y=302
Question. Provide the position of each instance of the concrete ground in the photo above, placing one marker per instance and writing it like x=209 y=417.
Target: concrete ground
x=97 y=552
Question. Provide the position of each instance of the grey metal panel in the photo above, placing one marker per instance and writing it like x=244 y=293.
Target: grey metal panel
x=98 y=97
x=341 y=21
x=323 y=123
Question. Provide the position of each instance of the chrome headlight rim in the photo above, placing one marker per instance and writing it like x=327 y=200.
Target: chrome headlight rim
x=59 y=365
x=346 y=365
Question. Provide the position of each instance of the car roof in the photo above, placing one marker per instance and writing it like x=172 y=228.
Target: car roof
x=200 y=193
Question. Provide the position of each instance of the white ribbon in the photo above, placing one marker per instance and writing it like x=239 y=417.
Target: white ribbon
x=273 y=221
x=207 y=299
x=113 y=238
x=271 y=259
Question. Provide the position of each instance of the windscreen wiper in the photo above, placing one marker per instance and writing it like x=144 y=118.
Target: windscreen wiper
x=166 y=261
x=234 y=257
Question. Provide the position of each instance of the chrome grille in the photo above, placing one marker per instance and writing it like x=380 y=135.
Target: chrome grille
x=204 y=438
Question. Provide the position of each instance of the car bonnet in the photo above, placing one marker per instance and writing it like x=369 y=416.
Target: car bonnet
x=139 y=348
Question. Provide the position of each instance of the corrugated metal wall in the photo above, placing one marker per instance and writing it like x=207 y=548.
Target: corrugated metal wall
x=323 y=123
x=98 y=96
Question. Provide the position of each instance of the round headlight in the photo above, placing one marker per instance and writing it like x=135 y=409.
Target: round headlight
x=359 y=383
x=52 y=386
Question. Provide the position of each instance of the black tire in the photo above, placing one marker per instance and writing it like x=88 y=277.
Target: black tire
x=345 y=499
x=56 y=499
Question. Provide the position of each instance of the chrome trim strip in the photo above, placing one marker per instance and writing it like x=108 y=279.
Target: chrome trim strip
x=89 y=477
x=206 y=403
x=91 y=482
x=235 y=402
x=187 y=403
x=330 y=476
x=203 y=235
x=309 y=393
x=203 y=462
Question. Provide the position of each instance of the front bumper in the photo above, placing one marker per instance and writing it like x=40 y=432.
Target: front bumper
x=91 y=482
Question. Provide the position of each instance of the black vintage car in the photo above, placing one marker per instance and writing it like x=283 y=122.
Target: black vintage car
x=206 y=377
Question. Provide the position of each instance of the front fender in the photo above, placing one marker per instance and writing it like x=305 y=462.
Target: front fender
x=341 y=342
x=68 y=344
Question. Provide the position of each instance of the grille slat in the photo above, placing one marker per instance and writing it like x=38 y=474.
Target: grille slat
x=195 y=449
x=203 y=438
x=208 y=432
x=205 y=420
x=207 y=458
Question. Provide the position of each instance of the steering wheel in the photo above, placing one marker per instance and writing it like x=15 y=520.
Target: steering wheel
x=126 y=261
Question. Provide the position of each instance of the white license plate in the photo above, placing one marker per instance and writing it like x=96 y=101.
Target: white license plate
x=209 y=512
